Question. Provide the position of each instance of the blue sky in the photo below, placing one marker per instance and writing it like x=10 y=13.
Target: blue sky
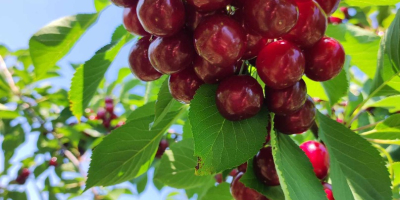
x=20 y=19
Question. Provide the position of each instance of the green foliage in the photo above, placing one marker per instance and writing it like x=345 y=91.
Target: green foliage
x=220 y=192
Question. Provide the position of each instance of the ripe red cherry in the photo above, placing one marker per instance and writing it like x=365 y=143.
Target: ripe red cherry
x=109 y=100
x=53 y=162
x=101 y=113
x=194 y=17
x=208 y=5
x=172 y=54
x=125 y=3
x=161 y=17
x=161 y=148
x=25 y=173
x=220 y=40
x=310 y=27
x=334 y=20
x=132 y=23
x=20 y=180
x=280 y=64
x=139 y=61
x=318 y=156
x=183 y=85
x=264 y=167
x=241 y=192
x=239 y=97
x=324 y=60
x=211 y=74
x=328 y=191
x=329 y=6
x=297 y=122
x=109 y=108
x=243 y=167
x=271 y=18
x=218 y=178
x=288 y=100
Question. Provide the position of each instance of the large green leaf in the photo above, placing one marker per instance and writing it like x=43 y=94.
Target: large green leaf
x=391 y=103
x=88 y=77
x=221 y=144
x=13 y=137
x=386 y=130
x=362 y=3
x=293 y=167
x=315 y=89
x=101 y=4
x=250 y=180
x=5 y=113
x=357 y=170
x=165 y=103
x=55 y=40
x=177 y=167
x=338 y=87
x=220 y=192
x=129 y=150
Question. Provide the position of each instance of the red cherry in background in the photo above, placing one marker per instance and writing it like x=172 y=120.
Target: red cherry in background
x=334 y=20
x=328 y=191
x=310 y=27
x=318 y=156
x=288 y=100
x=280 y=64
x=101 y=113
x=161 y=148
x=131 y=22
x=264 y=167
x=271 y=18
x=183 y=85
x=139 y=61
x=25 y=172
x=239 y=97
x=240 y=192
x=325 y=60
x=242 y=167
x=172 y=54
x=109 y=108
x=161 y=17
x=297 y=122
x=329 y=6
x=218 y=178
x=208 y=5
x=211 y=74
x=53 y=162
x=125 y=3
x=220 y=40
x=109 y=100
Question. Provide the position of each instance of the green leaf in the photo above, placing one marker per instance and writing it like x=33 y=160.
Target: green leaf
x=221 y=144
x=391 y=103
x=40 y=169
x=101 y=4
x=220 y=192
x=357 y=170
x=119 y=32
x=250 y=180
x=362 y=3
x=386 y=130
x=396 y=169
x=88 y=77
x=55 y=40
x=16 y=195
x=165 y=103
x=187 y=130
x=293 y=167
x=141 y=184
x=315 y=89
x=13 y=137
x=127 y=152
x=338 y=87
x=177 y=167
x=5 y=113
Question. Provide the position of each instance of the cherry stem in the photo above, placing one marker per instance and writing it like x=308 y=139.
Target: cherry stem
x=242 y=68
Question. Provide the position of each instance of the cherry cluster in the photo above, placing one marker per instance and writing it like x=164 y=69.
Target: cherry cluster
x=22 y=176
x=106 y=114
x=264 y=168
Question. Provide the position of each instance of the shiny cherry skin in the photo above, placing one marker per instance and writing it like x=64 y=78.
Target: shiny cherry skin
x=194 y=17
x=240 y=192
x=125 y=3
x=162 y=146
x=183 y=85
x=271 y=18
x=288 y=100
x=132 y=23
x=325 y=60
x=264 y=167
x=220 y=40
x=212 y=74
x=329 y=6
x=208 y=5
x=280 y=64
x=297 y=122
x=239 y=97
x=334 y=20
x=310 y=27
x=53 y=162
x=139 y=61
x=161 y=17
x=319 y=157
x=172 y=54
x=328 y=191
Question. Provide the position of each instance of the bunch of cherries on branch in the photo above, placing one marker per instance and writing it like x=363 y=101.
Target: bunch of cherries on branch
x=219 y=42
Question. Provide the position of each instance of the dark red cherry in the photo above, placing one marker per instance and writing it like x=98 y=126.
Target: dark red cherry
x=329 y=6
x=334 y=20
x=172 y=54
x=218 y=178
x=288 y=100
x=328 y=191
x=183 y=85
x=53 y=162
x=271 y=18
x=280 y=64
x=345 y=11
x=161 y=17
x=20 y=180
x=161 y=148
x=243 y=167
x=109 y=100
x=325 y=60
x=194 y=17
x=101 y=113
x=125 y=3
x=208 y=5
x=238 y=3
x=220 y=40
x=310 y=27
x=264 y=167
x=211 y=74
x=132 y=23
x=25 y=173
x=318 y=156
x=297 y=122
x=240 y=192
x=139 y=61
x=109 y=108
x=239 y=97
